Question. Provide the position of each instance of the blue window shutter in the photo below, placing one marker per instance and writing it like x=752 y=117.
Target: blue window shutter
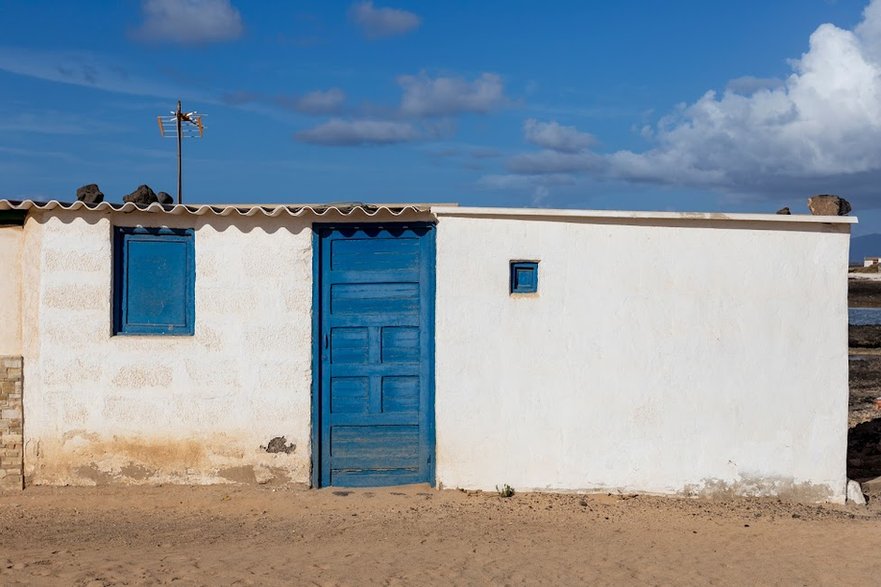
x=154 y=278
x=524 y=277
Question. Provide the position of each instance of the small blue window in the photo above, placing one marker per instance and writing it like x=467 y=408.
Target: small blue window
x=524 y=276
x=154 y=274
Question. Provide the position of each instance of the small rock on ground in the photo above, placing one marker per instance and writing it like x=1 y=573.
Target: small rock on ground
x=855 y=493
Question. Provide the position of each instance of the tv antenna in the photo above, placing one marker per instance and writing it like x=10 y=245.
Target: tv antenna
x=181 y=125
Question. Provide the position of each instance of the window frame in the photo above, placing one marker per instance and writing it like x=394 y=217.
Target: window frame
x=122 y=236
x=514 y=288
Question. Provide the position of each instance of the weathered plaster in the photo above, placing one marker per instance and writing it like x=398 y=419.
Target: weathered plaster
x=761 y=486
x=152 y=409
x=10 y=290
x=148 y=409
x=659 y=355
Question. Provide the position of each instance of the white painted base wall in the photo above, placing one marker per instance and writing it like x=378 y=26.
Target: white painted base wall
x=675 y=357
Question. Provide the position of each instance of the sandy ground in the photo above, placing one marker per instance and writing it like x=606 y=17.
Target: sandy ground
x=416 y=535
x=259 y=535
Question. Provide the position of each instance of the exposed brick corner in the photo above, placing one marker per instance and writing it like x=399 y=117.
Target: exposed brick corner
x=11 y=417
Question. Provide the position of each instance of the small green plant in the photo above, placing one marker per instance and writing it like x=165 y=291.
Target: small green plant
x=505 y=490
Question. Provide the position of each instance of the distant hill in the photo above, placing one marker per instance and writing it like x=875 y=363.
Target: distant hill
x=868 y=245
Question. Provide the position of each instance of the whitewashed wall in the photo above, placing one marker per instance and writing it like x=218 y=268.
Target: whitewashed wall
x=10 y=290
x=688 y=357
x=669 y=356
x=137 y=409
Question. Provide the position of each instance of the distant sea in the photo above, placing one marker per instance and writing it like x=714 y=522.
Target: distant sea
x=862 y=316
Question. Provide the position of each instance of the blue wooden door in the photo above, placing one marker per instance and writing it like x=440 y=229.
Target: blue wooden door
x=375 y=287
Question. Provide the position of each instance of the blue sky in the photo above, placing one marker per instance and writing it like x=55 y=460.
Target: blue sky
x=678 y=105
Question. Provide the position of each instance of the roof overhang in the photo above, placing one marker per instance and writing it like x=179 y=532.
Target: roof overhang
x=270 y=210
x=361 y=209
x=612 y=215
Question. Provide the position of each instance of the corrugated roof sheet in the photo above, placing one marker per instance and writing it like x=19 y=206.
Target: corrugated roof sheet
x=436 y=209
x=272 y=210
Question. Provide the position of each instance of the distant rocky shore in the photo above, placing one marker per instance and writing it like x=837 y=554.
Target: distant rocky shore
x=864 y=416
x=864 y=293
x=865 y=337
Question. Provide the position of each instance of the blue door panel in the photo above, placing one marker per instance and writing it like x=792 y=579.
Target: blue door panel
x=400 y=393
x=375 y=254
x=389 y=419
x=374 y=298
x=400 y=344
x=375 y=477
x=374 y=443
x=349 y=345
x=349 y=395
x=375 y=396
x=378 y=319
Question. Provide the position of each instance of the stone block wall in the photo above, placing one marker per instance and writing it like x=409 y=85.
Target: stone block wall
x=11 y=450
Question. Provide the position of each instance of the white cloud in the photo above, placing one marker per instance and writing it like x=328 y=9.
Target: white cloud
x=818 y=129
x=337 y=132
x=442 y=96
x=869 y=31
x=564 y=150
x=537 y=186
x=824 y=121
x=556 y=137
x=549 y=162
x=316 y=102
x=426 y=112
x=377 y=23
x=189 y=21
x=749 y=84
x=52 y=122
x=320 y=101
x=83 y=68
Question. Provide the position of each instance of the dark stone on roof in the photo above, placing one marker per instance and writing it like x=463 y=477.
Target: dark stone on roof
x=89 y=194
x=828 y=205
x=164 y=198
x=143 y=196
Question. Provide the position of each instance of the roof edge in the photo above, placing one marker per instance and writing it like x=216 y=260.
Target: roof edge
x=270 y=210
x=625 y=215
x=358 y=208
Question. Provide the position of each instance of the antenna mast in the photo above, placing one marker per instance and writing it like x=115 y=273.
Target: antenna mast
x=174 y=127
x=180 y=191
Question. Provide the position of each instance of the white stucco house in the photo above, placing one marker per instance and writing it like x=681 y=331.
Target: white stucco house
x=364 y=345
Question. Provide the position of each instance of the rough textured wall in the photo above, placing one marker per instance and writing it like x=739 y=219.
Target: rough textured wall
x=10 y=423
x=149 y=409
x=10 y=290
x=691 y=357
